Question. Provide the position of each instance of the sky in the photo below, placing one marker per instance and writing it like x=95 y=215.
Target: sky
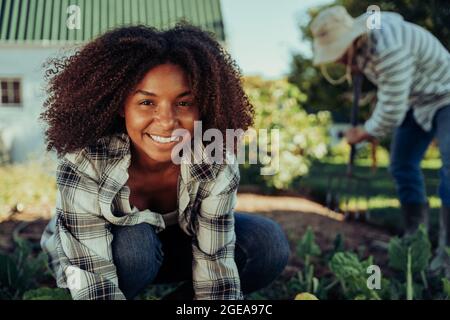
x=262 y=35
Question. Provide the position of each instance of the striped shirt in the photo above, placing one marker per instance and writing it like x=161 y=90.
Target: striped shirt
x=92 y=196
x=411 y=69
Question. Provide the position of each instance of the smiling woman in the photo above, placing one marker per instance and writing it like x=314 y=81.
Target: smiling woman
x=127 y=215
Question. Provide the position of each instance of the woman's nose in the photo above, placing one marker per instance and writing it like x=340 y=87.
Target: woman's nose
x=166 y=116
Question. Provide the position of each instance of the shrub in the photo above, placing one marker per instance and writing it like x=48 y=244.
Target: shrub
x=303 y=136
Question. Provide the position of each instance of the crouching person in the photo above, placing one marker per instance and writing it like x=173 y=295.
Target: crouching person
x=127 y=214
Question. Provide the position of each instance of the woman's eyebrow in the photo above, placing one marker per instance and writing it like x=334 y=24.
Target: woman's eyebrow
x=145 y=93
x=184 y=94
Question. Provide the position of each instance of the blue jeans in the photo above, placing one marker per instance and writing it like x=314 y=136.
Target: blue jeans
x=408 y=148
x=143 y=256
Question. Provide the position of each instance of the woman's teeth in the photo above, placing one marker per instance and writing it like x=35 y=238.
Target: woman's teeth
x=164 y=139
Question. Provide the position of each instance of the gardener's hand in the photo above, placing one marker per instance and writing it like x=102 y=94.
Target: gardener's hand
x=356 y=135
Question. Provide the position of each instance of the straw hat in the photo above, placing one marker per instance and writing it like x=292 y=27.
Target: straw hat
x=334 y=30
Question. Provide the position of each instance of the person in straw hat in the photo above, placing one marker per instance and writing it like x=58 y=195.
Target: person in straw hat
x=411 y=70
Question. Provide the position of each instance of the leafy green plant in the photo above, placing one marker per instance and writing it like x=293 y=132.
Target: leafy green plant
x=46 y=293
x=410 y=255
x=348 y=276
x=446 y=287
x=21 y=270
x=338 y=246
x=307 y=248
x=351 y=273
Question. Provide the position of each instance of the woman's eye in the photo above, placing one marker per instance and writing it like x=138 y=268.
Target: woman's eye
x=185 y=103
x=146 y=102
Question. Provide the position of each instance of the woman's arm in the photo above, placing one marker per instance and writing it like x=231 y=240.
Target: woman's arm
x=82 y=239
x=215 y=275
x=395 y=69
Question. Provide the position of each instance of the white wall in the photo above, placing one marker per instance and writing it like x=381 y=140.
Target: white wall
x=24 y=133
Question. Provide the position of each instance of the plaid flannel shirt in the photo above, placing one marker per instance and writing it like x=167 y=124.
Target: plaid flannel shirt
x=92 y=196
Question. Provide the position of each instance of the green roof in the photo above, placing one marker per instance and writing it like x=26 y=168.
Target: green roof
x=44 y=21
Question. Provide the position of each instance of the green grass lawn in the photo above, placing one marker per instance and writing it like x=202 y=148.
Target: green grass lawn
x=378 y=186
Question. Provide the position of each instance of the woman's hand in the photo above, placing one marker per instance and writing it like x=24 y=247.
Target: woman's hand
x=356 y=135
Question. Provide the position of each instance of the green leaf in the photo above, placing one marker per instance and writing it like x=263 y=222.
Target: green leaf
x=446 y=287
x=409 y=281
x=307 y=246
x=8 y=276
x=420 y=251
x=397 y=254
x=351 y=273
x=21 y=271
x=339 y=243
x=345 y=265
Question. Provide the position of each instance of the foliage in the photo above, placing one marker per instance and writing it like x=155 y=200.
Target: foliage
x=446 y=287
x=307 y=248
x=22 y=275
x=303 y=137
x=352 y=276
x=410 y=255
x=323 y=96
x=379 y=187
x=340 y=152
x=21 y=270
x=417 y=246
x=46 y=293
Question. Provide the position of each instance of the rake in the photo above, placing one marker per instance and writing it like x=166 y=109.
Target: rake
x=343 y=187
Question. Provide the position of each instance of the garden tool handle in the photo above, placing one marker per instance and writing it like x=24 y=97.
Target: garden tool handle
x=357 y=82
x=374 y=145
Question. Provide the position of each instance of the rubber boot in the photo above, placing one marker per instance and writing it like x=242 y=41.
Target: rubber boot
x=442 y=259
x=413 y=216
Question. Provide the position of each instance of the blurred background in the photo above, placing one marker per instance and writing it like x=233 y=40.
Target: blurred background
x=271 y=43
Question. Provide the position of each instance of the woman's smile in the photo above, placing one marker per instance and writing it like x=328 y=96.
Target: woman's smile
x=163 y=142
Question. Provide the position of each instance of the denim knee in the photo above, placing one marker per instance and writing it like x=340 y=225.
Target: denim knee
x=262 y=251
x=404 y=171
x=137 y=255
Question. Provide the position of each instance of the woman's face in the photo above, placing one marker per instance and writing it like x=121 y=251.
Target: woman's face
x=161 y=103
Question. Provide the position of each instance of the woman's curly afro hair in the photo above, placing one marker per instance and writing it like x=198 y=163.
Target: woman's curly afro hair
x=87 y=90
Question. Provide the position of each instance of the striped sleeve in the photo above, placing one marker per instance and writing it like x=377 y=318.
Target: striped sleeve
x=215 y=274
x=84 y=246
x=395 y=70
